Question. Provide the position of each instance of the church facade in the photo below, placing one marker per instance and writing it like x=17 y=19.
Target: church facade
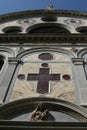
x=43 y=70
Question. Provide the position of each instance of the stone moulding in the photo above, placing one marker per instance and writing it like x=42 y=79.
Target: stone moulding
x=26 y=39
x=16 y=15
x=11 y=125
x=12 y=109
x=9 y=110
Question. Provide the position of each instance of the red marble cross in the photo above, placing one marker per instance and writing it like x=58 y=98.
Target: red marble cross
x=43 y=79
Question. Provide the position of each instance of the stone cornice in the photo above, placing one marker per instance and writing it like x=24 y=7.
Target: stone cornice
x=59 y=39
x=35 y=13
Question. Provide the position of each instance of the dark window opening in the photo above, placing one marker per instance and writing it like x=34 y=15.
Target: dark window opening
x=12 y=30
x=82 y=30
x=49 y=19
x=48 y=29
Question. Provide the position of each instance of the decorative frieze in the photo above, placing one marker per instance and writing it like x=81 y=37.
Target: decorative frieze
x=26 y=21
x=69 y=39
x=73 y=21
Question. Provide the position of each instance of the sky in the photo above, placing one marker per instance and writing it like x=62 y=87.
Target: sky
x=9 y=6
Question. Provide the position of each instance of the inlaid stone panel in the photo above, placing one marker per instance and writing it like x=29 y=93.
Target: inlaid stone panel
x=53 y=80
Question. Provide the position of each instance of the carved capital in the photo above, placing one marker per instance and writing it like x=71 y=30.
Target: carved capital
x=14 y=60
x=78 y=61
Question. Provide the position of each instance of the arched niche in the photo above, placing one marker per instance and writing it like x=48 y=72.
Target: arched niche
x=24 y=53
x=47 y=28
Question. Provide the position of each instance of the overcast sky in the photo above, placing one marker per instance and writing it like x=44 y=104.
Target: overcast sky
x=8 y=6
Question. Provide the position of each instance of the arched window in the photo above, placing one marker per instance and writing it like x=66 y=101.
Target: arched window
x=12 y=30
x=82 y=30
x=47 y=29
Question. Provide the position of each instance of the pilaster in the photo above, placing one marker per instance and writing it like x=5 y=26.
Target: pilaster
x=8 y=78
x=80 y=80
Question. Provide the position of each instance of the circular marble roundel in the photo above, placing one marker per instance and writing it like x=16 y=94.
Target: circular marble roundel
x=44 y=65
x=46 y=56
x=66 y=77
x=21 y=76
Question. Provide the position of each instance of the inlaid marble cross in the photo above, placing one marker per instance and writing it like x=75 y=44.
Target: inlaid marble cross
x=43 y=79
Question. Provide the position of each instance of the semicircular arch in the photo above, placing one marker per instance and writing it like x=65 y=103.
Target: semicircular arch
x=46 y=49
x=45 y=28
x=82 y=52
x=7 y=52
x=10 y=110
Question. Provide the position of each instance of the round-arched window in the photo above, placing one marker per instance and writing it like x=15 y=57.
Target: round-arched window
x=12 y=29
x=47 y=29
x=82 y=29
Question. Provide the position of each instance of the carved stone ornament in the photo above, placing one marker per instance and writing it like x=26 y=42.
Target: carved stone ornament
x=73 y=21
x=26 y=21
x=40 y=113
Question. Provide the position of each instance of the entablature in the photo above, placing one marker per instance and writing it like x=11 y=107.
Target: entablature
x=42 y=40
